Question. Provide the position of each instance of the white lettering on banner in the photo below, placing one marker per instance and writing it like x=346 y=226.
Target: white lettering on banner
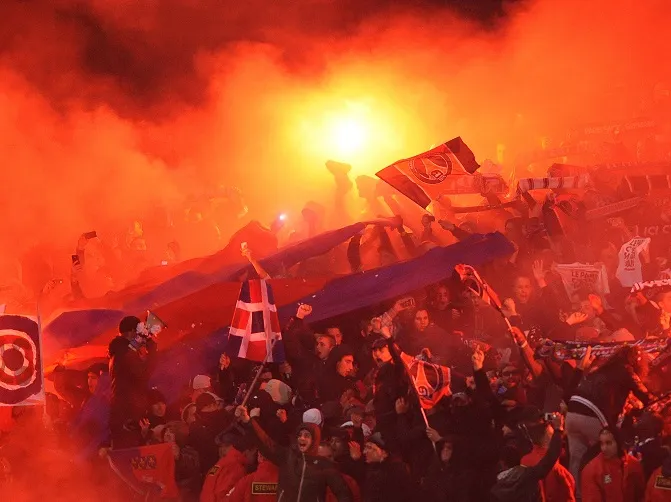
x=582 y=277
x=630 y=254
x=629 y=270
x=654 y=230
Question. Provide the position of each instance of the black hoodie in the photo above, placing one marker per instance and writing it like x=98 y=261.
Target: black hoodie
x=303 y=477
x=520 y=483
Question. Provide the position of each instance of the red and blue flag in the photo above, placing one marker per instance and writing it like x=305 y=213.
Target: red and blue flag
x=255 y=332
x=147 y=470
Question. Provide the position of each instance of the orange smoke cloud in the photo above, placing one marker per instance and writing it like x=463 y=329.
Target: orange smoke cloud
x=109 y=110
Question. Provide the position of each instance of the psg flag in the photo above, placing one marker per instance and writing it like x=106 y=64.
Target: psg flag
x=147 y=470
x=255 y=329
x=21 y=380
x=448 y=169
x=432 y=381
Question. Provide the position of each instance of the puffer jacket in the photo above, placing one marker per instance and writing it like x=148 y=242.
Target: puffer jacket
x=302 y=477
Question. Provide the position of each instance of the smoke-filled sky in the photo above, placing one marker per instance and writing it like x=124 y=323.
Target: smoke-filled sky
x=108 y=108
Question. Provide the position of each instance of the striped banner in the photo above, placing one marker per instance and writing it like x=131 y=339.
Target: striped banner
x=527 y=184
x=611 y=209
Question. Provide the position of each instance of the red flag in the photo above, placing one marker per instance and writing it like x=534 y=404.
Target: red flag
x=444 y=170
x=147 y=469
x=432 y=381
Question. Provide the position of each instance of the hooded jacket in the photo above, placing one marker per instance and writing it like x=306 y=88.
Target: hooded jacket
x=520 y=483
x=303 y=477
x=130 y=374
x=330 y=384
x=388 y=481
x=612 y=480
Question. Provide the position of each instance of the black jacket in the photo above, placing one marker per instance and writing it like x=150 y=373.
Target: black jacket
x=445 y=483
x=520 y=484
x=391 y=382
x=608 y=388
x=130 y=374
x=302 y=477
x=388 y=481
x=308 y=369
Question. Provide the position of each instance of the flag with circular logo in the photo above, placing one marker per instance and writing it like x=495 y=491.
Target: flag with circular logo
x=20 y=361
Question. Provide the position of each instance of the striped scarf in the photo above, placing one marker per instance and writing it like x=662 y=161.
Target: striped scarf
x=526 y=184
x=648 y=183
x=488 y=207
x=564 y=351
x=647 y=285
x=611 y=209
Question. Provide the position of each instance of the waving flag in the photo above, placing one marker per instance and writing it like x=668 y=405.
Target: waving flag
x=432 y=381
x=148 y=470
x=255 y=330
x=21 y=380
x=444 y=170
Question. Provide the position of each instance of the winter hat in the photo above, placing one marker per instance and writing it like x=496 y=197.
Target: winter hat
x=155 y=396
x=364 y=428
x=359 y=410
x=204 y=401
x=240 y=442
x=129 y=324
x=377 y=440
x=201 y=382
x=313 y=416
x=340 y=351
x=279 y=391
x=380 y=342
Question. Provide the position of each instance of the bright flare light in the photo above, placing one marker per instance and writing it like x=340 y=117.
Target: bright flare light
x=368 y=134
x=348 y=136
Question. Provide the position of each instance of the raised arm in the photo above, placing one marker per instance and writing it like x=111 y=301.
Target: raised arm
x=268 y=448
x=543 y=468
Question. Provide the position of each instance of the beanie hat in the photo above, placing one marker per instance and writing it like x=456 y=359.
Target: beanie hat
x=377 y=440
x=155 y=396
x=313 y=416
x=279 y=391
x=205 y=400
x=129 y=324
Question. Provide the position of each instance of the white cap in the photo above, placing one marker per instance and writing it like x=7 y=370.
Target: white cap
x=313 y=416
x=201 y=382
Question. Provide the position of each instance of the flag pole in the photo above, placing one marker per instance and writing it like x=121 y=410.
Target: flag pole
x=258 y=374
